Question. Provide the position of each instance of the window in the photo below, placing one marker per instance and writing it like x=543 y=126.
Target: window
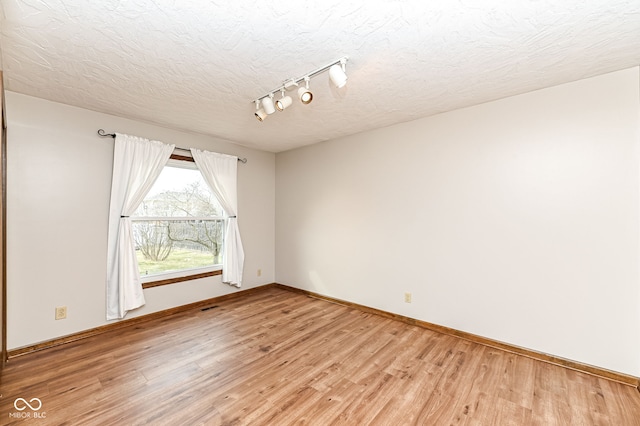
x=178 y=228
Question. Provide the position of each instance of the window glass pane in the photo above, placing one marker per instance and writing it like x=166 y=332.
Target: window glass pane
x=179 y=192
x=167 y=246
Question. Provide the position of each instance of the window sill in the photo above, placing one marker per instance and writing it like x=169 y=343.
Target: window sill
x=180 y=279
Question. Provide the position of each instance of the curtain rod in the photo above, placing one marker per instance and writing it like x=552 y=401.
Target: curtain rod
x=104 y=134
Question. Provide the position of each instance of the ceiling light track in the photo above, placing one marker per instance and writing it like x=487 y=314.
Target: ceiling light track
x=265 y=103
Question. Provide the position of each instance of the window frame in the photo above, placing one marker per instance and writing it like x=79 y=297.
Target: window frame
x=149 y=281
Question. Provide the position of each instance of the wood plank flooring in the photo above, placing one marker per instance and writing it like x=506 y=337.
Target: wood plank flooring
x=277 y=358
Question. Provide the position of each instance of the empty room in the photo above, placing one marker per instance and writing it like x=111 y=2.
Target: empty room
x=339 y=212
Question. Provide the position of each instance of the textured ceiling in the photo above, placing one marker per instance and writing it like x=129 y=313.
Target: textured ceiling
x=196 y=65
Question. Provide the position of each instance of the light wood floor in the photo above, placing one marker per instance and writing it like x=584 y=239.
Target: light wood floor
x=276 y=357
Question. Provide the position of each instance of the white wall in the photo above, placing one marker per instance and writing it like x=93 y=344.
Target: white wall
x=59 y=178
x=516 y=220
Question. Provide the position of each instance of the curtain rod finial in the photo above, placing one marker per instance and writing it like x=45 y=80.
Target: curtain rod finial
x=102 y=133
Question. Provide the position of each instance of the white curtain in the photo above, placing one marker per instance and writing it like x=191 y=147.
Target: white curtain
x=220 y=171
x=137 y=163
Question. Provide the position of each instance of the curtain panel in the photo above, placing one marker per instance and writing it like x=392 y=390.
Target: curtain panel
x=220 y=171
x=137 y=163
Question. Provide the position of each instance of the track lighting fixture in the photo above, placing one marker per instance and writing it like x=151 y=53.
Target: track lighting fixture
x=304 y=94
x=283 y=102
x=260 y=114
x=266 y=106
x=337 y=74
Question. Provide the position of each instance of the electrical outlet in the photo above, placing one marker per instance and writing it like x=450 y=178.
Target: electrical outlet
x=259 y=272
x=407 y=298
x=61 y=312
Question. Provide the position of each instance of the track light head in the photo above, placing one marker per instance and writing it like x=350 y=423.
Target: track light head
x=267 y=104
x=284 y=102
x=304 y=94
x=260 y=114
x=337 y=74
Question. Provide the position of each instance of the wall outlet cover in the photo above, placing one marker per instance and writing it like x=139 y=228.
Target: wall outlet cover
x=61 y=312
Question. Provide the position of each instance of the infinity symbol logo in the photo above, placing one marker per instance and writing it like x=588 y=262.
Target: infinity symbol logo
x=26 y=404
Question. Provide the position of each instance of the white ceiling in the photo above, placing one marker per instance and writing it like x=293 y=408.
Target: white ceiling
x=196 y=64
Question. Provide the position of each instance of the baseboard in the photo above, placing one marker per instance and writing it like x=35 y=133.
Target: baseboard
x=13 y=353
x=540 y=356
